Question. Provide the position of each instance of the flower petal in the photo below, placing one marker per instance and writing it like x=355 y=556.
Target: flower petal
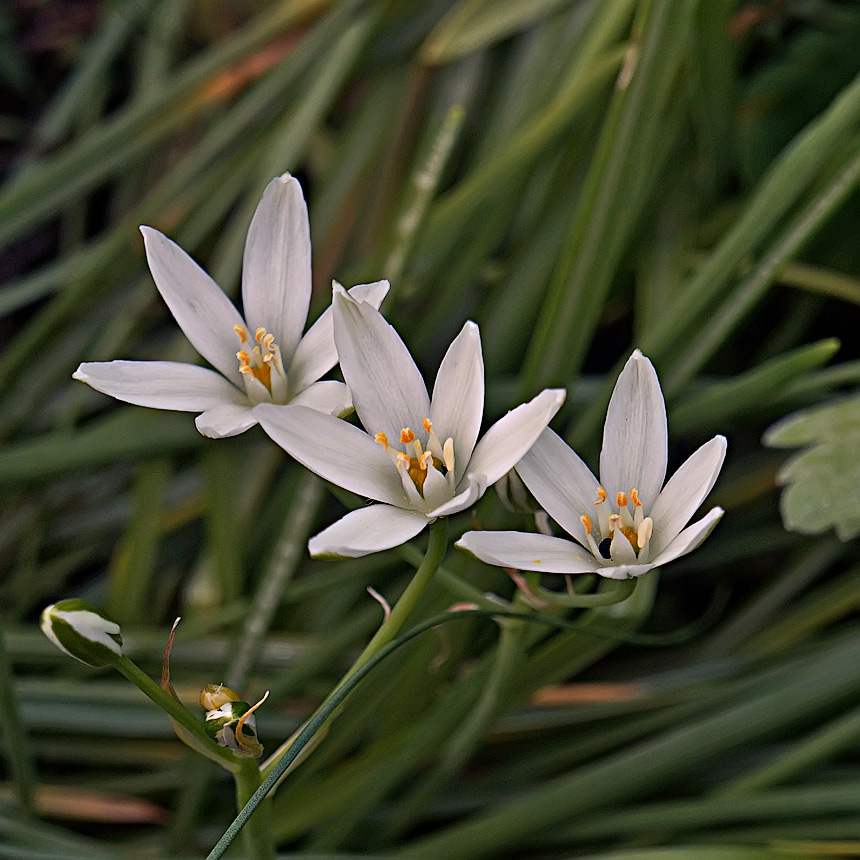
x=507 y=441
x=367 y=530
x=525 y=551
x=335 y=450
x=330 y=397
x=203 y=312
x=316 y=353
x=624 y=571
x=225 y=420
x=635 y=436
x=387 y=389
x=685 y=491
x=690 y=538
x=276 y=269
x=160 y=384
x=470 y=490
x=457 y=406
x=562 y=484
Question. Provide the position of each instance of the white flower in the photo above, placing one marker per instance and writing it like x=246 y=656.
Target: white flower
x=624 y=525
x=261 y=358
x=419 y=457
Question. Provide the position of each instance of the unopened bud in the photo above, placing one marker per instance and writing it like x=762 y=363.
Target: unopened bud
x=83 y=631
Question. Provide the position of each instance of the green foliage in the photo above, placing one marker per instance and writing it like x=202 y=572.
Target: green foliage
x=822 y=483
x=580 y=178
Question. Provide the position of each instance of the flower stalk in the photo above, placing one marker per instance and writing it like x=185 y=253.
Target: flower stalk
x=387 y=632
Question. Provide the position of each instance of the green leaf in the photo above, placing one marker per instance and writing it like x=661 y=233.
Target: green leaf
x=822 y=483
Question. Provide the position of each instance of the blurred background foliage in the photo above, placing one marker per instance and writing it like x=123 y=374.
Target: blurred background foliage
x=578 y=176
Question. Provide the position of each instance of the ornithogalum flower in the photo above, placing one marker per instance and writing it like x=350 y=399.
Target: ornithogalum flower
x=623 y=525
x=259 y=358
x=420 y=457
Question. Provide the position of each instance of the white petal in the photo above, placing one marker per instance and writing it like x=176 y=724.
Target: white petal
x=562 y=484
x=276 y=270
x=470 y=490
x=635 y=437
x=160 y=384
x=316 y=353
x=436 y=489
x=524 y=551
x=690 y=538
x=228 y=419
x=329 y=397
x=367 y=530
x=624 y=571
x=457 y=406
x=507 y=441
x=203 y=312
x=335 y=450
x=387 y=389
x=685 y=491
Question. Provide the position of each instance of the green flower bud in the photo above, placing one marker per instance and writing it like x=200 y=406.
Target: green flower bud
x=83 y=631
x=223 y=726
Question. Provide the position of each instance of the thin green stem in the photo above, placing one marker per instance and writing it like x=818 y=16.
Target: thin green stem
x=392 y=625
x=176 y=711
x=18 y=752
x=622 y=590
x=258 y=834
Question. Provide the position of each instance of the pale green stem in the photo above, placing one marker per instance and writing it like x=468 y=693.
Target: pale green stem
x=392 y=625
x=176 y=711
x=257 y=833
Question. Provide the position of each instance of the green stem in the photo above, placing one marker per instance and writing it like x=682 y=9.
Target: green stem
x=470 y=732
x=622 y=590
x=392 y=625
x=18 y=752
x=177 y=712
x=258 y=833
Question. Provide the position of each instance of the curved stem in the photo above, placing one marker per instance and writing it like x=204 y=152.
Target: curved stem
x=177 y=712
x=622 y=590
x=389 y=628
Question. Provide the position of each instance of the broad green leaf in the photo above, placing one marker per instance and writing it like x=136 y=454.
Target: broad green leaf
x=822 y=483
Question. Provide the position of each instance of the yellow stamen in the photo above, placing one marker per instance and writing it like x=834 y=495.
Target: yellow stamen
x=407 y=436
x=634 y=496
x=427 y=424
x=586 y=522
x=621 y=500
x=601 y=496
x=241 y=333
x=382 y=439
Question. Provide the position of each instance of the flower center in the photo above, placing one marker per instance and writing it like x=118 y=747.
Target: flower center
x=627 y=522
x=417 y=463
x=261 y=366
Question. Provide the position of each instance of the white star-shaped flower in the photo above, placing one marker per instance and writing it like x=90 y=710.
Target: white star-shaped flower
x=259 y=358
x=625 y=524
x=420 y=457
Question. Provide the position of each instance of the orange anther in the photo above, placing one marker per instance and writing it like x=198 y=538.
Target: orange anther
x=407 y=436
x=241 y=333
x=427 y=424
x=382 y=439
x=586 y=522
x=601 y=496
x=259 y=334
x=634 y=495
x=621 y=500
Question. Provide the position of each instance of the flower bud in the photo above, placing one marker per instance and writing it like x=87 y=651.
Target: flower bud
x=214 y=696
x=83 y=631
x=226 y=726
